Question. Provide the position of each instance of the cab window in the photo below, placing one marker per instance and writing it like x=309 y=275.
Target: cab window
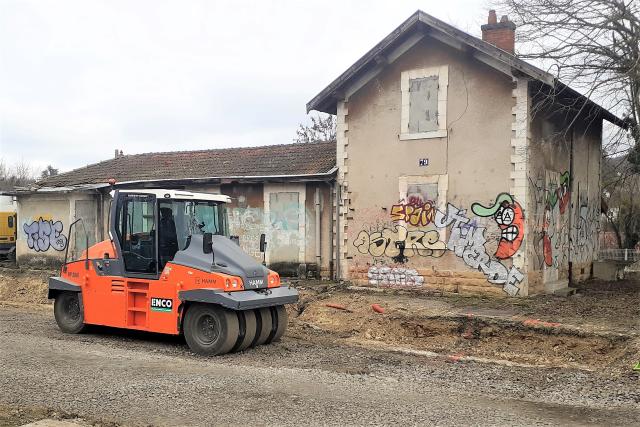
x=180 y=219
x=137 y=233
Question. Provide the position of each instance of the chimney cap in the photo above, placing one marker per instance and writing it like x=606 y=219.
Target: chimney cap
x=493 y=18
x=493 y=24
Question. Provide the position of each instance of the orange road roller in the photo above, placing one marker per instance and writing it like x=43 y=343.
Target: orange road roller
x=170 y=266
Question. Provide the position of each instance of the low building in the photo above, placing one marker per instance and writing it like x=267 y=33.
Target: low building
x=461 y=167
x=284 y=191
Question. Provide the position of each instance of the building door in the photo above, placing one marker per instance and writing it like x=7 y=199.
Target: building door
x=285 y=241
x=555 y=232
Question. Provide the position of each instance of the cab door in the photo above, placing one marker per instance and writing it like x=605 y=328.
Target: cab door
x=123 y=301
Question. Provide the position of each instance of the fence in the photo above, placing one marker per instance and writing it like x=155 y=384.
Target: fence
x=626 y=256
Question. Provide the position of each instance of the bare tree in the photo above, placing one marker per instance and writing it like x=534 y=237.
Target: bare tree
x=594 y=47
x=590 y=45
x=49 y=171
x=620 y=187
x=321 y=129
x=20 y=174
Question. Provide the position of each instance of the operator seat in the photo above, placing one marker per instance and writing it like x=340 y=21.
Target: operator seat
x=167 y=237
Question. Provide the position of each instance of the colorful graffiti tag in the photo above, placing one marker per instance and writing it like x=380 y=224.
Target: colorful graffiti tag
x=44 y=234
x=383 y=242
x=468 y=243
x=466 y=240
x=561 y=193
x=510 y=219
x=562 y=234
x=555 y=239
x=420 y=214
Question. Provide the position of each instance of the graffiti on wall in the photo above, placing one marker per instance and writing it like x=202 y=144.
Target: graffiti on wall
x=510 y=219
x=562 y=234
x=247 y=223
x=466 y=240
x=559 y=193
x=284 y=234
x=585 y=229
x=44 y=234
x=385 y=242
x=550 y=196
x=394 y=276
x=555 y=239
x=468 y=243
x=419 y=214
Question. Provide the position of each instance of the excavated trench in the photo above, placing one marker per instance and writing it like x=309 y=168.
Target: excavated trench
x=528 y=342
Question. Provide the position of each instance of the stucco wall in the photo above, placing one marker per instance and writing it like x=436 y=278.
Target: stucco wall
x=251 y=213
x=471 y=164
x=43 y=226
x=564 y=208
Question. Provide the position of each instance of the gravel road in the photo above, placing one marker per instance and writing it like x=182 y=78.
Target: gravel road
x=140 y=379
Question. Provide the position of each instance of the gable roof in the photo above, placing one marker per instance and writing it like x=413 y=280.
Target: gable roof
x=410 y=32
x=287 y=160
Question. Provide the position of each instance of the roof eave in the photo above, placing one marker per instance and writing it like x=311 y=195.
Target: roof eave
x=322 y=176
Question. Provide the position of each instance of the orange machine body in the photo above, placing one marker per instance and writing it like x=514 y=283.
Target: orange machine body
x=137 y=303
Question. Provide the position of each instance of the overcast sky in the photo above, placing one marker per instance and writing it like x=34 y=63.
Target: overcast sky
x=79 y=79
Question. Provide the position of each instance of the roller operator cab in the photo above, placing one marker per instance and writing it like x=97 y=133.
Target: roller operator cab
x=170 y=266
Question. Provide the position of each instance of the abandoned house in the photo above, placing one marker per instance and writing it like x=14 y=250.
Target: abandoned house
x=462 y=168
x=284 y=191
x=458 y=167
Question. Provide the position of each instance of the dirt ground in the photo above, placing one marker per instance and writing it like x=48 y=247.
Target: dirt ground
x=24 y=286
x=543 y=360
x=598 y=328
x=115 y=377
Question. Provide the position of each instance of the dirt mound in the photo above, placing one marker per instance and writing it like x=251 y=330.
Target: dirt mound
x=24 y=286
x=503 y=331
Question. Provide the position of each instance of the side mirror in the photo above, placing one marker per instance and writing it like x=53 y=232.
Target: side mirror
x=207 y=243
x=263 y=242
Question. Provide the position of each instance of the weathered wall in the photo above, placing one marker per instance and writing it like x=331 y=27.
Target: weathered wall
x=43 y=226
x=246 y=212
x=428 y=206
x=564 y=201
x=285 y=213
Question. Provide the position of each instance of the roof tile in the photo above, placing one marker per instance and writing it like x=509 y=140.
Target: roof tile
x=268 y=160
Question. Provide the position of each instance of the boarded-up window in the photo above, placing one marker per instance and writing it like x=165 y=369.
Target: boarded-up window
x=423 y=104
x=419 y=194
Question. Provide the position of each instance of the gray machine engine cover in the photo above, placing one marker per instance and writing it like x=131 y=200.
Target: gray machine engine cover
x=229 y=259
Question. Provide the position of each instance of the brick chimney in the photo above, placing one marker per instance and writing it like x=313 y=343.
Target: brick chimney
x=500 y=34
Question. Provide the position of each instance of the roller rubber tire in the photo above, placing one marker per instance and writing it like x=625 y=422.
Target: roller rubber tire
x=280 y=318
x=210 y=330
x=247 y=321
x=263 y=327
x=68 y=312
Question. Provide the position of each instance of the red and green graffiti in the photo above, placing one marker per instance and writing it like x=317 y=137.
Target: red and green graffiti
x=510 y=218
x=561 y=194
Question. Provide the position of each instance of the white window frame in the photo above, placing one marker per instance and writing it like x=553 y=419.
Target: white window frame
x=442 y=73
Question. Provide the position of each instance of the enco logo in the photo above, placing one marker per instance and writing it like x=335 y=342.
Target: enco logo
x=161 y=304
